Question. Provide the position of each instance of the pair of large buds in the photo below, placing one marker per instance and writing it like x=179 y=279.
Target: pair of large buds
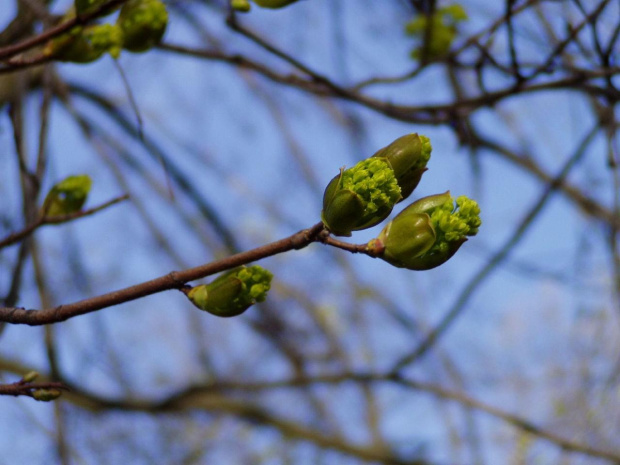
x=425 y=234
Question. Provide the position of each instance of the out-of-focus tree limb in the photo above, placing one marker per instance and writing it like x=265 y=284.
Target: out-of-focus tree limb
x=79 y=20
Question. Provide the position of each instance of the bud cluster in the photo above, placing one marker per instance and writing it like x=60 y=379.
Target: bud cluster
x=140 y=26
x=425 y=234
x=428 y=232
x=143 y=23
x=360 y=197
x=232 y=293
x=364 y=195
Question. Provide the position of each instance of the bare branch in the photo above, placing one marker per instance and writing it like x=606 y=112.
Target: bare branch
x=58 y=219
x=173 y=280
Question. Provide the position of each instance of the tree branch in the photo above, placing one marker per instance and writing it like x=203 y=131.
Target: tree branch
x=433 y=389
x=79 y=20
x=216 y=397
x=172 y=280
x=25 y=388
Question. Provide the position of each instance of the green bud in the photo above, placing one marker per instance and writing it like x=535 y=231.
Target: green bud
x=454 y=12
x=360 y=197
x=110 y=38
x=428 y=232
x=30 y=376
x=67 y=196
x=46 y=395
x=240 y=5
x=273 y=3
x=234 y=292
x=409 y=235
x=85 y=45
x=143 y=23
x=408 y=156
x=441 y=27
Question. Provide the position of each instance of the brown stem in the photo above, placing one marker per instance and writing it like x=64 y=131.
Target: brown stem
x=353 y=248
x=172 y=280
x=22 y=388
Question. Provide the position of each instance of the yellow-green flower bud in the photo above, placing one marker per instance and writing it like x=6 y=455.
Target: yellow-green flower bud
x=360 y=197
x=85 y=45
x=436 y=32
x=428 y=232
x=273 y=3
x=143 y=23
x=454 y=13
x=46 y=395
x=234 y=292
x=240 y=5
x=67 y=196
x=408 y=156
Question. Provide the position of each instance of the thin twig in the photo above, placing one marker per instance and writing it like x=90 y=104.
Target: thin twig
x=353 y=248
x=57 y=219
x=21 y=388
